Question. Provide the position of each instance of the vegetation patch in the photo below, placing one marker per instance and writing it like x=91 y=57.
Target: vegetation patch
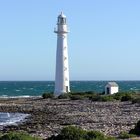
x=76 y=97
x=47 y=95
x=64 y=96
x=126 y=97
x=125 y=135
x=75 y=133
x=91 y=95
x=136 y=100
x=136 y=130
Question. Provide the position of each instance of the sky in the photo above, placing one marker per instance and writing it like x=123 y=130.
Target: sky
x=103 y=43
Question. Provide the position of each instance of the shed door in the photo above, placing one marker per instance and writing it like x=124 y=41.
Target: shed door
x=108 y=90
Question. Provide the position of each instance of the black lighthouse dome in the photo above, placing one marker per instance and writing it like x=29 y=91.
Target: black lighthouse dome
x=61 y=19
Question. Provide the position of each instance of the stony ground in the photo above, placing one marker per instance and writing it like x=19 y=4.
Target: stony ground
x=50 y=116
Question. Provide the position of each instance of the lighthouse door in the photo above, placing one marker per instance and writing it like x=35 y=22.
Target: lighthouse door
x=66 y=88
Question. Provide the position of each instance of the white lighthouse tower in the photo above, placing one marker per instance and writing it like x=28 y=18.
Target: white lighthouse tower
x=62 y=69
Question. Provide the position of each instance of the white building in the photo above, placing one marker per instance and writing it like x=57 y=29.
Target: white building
x=111 y=88
x=62 y=68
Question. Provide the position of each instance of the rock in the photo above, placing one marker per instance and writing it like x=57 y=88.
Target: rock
x=48 y=117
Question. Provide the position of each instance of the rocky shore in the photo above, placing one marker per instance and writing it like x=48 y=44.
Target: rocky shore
x=49 y=116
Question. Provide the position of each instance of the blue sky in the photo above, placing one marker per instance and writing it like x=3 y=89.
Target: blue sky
x=104 y=39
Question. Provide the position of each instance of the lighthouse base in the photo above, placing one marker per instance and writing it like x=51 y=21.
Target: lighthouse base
x=59 y=92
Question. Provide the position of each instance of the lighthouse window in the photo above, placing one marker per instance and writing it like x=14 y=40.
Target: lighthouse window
x=65 y=69
x=63 y=21
x=58 y=20
x=65 y=58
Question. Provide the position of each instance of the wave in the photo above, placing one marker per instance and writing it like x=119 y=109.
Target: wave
x=21 y=96
x=17 y=90
x=12 y=118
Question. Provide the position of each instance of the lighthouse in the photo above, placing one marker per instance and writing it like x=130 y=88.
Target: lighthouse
x=62 y=68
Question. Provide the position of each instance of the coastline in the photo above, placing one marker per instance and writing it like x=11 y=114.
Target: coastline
x=49 y=116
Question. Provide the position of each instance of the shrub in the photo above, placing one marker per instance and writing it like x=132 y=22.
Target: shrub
x=47 y=95
x=90 y=92
x=63 y=96
x=127 y=97
x=76 y=97
x=90 y=135
x=86 y=94
x=102 y=98
x=136 y=130
x=71 y=133
x=76 y=93
x=125 y=135
x=106 y=98
x=81 y=95
x=89 y=95
x=137 y=100
x=17 y=136
x=75 y=133
x=110 y=138
x=118 y=95
x=124 y=96
x=95 y=97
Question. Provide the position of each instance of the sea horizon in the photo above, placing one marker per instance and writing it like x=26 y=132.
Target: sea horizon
x=54 y=80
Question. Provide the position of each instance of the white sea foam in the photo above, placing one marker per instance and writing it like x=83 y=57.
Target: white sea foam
x=17 y=90
x=3 y=96
x=49 y=85
x=23 y=96
x=12 y=118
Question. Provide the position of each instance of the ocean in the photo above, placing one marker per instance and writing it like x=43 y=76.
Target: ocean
x=37 y=88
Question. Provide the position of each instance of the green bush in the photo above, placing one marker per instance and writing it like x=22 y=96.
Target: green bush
x=127 y=97
x=17 y=136
x=96 y=97
x=47 y=95
x=86 y=94
x=75 y=133
x=69 y=133
x=125 y=135
x=76 y=97
x=136 y=130
x=102 y=98
x=90 y=135
x=106 y=98
x=90 y=92
x=64 y=96
x=136 y=100
x=118 y=95
x=96 y=135
x=72 y=133
x=124 y=96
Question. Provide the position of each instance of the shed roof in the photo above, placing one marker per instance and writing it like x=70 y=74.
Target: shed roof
x=112 y=84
